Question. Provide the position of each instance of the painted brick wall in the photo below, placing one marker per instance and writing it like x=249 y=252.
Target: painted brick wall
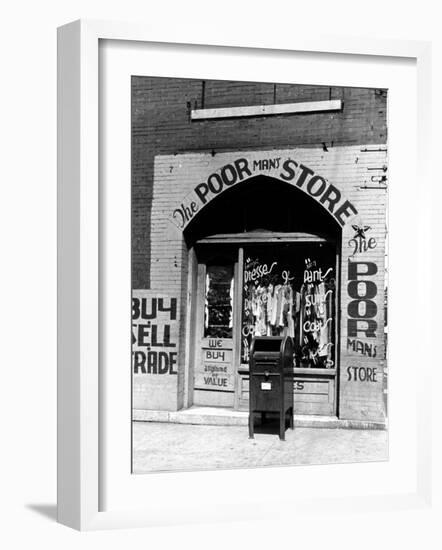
x=362 y=398
x=350 y=169
x=171 y=155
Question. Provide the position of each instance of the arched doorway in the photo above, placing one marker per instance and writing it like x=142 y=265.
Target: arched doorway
x=265 y=261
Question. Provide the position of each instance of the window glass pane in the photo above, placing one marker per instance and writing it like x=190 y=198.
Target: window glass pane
x=290 y=290
x=218 y=310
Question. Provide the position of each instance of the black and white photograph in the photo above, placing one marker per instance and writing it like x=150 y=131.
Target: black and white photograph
x=220 y=275
x=259 y=274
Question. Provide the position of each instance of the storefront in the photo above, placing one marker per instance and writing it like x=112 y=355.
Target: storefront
x=258 y=209
x=265 y=242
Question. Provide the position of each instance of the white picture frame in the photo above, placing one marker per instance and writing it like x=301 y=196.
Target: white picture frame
x=80 y=447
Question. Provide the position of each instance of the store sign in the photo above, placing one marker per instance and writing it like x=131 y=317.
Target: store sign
x=362 y=308
x=215 y=377
x=367 y=349
x=216 y=369
x=362 y=374
x=289 y=170
x=154 y=333
x=217 y=355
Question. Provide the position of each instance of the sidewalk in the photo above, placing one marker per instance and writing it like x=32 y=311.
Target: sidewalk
x=225 y=416
x=162 y=446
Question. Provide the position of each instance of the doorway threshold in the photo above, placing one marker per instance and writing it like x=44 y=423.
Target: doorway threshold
x=224 y=416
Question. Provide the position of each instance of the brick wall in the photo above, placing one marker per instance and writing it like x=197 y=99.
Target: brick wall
x=348 y=168
x=161 y=125
x=171 y=155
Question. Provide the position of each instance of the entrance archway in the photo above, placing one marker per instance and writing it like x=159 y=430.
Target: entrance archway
x=266 y=203
x=263 y=238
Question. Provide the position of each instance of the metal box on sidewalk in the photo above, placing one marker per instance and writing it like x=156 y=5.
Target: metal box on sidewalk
x=271 y=380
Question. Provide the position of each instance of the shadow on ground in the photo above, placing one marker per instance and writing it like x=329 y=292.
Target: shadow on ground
x=49 y=511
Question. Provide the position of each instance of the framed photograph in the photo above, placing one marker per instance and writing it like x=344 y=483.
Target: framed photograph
x=239 y=312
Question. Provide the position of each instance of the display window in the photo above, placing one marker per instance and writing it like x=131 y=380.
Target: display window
x=290 y=290
x=218 y=304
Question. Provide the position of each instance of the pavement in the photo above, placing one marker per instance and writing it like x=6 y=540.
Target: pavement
x=168 y=446
x=226 y=416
